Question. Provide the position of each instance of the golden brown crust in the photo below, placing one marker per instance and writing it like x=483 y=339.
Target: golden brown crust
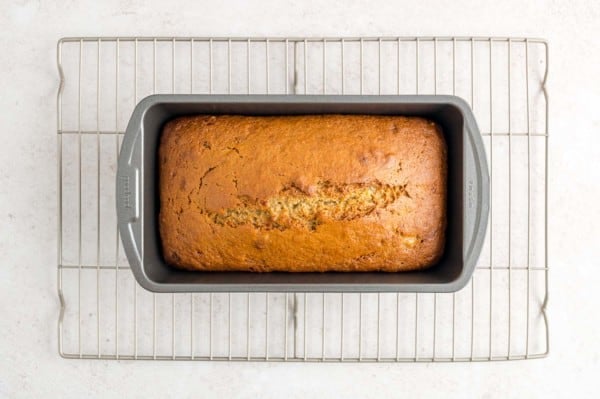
x=302 y=193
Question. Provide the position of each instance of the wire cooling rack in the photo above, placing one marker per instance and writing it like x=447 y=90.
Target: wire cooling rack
x=500 y=315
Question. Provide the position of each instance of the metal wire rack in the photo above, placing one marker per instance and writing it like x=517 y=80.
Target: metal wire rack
x=500 y=315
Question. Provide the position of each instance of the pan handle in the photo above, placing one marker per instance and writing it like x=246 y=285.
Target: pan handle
x=128 y=191
x=476 y=195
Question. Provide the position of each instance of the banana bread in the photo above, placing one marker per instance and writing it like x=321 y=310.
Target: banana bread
x=302 y=193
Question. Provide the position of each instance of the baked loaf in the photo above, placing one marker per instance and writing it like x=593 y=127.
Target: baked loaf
x=302 y=193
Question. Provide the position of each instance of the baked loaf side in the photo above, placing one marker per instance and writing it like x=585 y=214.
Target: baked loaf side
x=302 y=193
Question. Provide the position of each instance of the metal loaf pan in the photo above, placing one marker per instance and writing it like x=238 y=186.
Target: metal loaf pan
x=138 y=202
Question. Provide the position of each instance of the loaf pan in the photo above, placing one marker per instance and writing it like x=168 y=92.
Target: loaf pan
x=138 y=201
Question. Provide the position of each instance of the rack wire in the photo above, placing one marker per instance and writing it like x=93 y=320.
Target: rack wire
x=500 y=315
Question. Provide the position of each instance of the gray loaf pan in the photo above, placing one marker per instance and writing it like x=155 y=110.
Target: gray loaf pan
x=138 y=201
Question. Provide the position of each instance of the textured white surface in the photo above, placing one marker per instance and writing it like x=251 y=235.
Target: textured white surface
x=30 y=365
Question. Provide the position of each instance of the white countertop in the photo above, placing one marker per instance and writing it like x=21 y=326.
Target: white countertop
x=31 y=366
